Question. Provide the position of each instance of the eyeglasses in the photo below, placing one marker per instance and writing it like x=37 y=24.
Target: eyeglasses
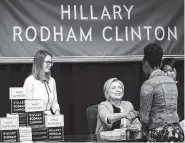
x=49 y=62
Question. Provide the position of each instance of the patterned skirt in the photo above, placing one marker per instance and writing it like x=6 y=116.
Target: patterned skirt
x=166 y=133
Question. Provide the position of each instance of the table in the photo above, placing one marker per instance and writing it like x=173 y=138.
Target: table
x=135 y=137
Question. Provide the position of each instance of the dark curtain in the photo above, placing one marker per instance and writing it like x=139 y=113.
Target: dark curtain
x=80 y=85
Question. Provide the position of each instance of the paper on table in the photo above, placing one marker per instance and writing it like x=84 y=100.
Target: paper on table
x=114 y=133
x=117 y=134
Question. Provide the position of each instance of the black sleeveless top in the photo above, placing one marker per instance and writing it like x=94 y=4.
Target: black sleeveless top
x=117 y=124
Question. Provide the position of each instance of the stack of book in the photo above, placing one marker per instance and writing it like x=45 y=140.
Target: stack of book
x=27 y=121
x=9 y=129
x=55 y=126
x=35 y=119
x=18 y=97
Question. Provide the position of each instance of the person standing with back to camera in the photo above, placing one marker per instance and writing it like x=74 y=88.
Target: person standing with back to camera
x=158 y=100
x=40 y=84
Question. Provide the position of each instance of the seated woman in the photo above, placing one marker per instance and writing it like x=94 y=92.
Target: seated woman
x=40 y=84
x=115 y=113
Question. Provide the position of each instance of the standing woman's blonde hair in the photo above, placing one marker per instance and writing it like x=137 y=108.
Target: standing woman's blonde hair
x=38 y=62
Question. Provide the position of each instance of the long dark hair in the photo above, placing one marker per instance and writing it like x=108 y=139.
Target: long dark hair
x=37 y=67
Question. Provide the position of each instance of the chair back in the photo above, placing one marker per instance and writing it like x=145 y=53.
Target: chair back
x=92 y=113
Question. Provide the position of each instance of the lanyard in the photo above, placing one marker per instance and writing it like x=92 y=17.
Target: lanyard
x=47 y=87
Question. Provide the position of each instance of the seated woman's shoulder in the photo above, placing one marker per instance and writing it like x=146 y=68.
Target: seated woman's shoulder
x=127 y=103
x=104 y=103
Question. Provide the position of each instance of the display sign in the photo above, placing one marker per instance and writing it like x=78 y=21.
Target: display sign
x=36 y=118
x=54 y=120
x=18 y=106
x=11 y=123
x=17 y=93
x=34 y=105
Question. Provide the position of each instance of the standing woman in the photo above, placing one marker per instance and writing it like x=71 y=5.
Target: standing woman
x=40 y=84
x=168 y=68
x=158 y=100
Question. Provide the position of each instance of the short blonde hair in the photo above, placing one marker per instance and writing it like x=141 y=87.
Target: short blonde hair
x=108 y=84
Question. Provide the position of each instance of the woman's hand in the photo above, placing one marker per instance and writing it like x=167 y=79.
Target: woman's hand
x=132 y=114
